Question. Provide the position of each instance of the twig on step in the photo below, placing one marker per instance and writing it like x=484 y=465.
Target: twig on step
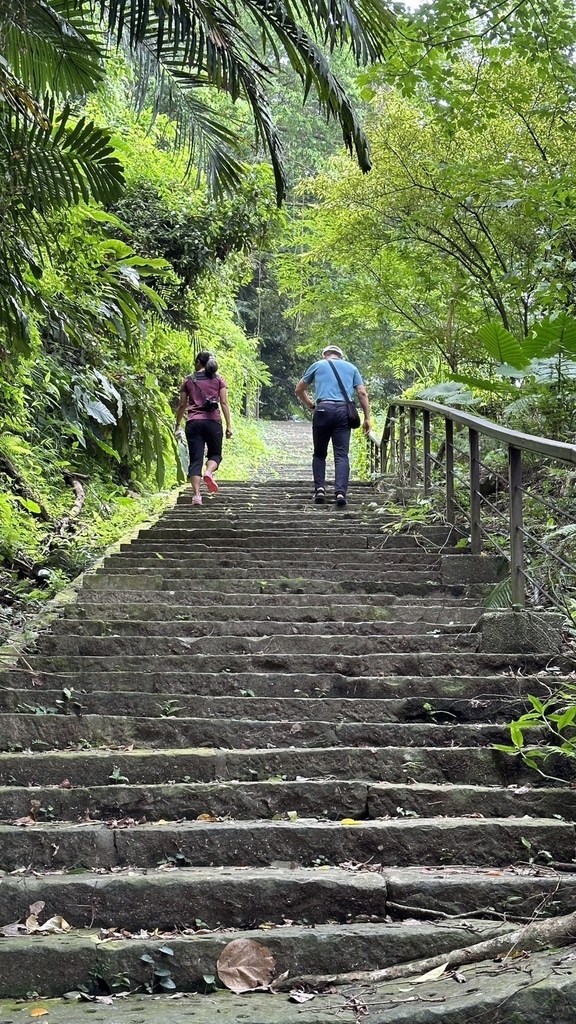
x=537 y=935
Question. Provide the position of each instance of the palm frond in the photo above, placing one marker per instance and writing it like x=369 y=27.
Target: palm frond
x=205 y=40
x=227 y=68
x=312 y=67
x=364 y=25
x=212 y=145
x=51 y=47
x=58 y=163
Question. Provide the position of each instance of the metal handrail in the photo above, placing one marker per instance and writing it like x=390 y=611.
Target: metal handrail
x=389 y=453
x=526 y=442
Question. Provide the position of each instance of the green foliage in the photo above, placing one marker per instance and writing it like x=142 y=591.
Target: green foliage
x=556 y=717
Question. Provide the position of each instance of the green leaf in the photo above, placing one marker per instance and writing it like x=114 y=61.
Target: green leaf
x=501 y=345
x=516 y=735
x=28 y=504
x=553 y=334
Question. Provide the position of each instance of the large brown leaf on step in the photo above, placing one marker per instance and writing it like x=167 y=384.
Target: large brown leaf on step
x=245 y=965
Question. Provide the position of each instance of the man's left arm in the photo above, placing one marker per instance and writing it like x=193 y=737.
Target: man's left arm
x=365 y=403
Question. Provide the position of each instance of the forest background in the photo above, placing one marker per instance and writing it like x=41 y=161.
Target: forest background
x=141 y=222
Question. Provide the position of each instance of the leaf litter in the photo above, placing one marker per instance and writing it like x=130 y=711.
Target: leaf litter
x=55 y=925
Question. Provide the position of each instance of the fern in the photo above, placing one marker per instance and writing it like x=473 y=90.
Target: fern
x=501 y=595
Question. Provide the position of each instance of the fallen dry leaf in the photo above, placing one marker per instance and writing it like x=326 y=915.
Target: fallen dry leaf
x=298 y=996
x=245 y=965
x=54 y=926
x=206 y=817
x=433 y=975
x=13 y=929
x=25 y=821
x=39 y=1011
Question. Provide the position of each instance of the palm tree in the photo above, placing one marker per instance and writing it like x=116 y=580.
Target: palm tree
x=51 y=53
x=49 y=159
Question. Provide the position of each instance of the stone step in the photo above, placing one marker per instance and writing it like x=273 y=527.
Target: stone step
x=351 y=539
x=330 y=709
x=420 y=663
x=228 y=897
x=140 y=550
x=248 y=898
x=197 y=576
x=431 y=765
x=59 y=963
x=428 y=841
x=278 y=685
x=168 y=559
x=252 y=628
x=291 y=644
x=436 y=542
x=277 y=798
x=442 y=597
x=154 y=618
x=186 y=589
x=62 y=731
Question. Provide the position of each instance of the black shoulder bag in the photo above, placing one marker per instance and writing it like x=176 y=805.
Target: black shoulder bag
x=353 y=417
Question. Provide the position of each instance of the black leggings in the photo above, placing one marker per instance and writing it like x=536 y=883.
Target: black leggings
x=200 y=433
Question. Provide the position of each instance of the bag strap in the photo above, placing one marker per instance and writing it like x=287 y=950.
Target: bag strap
x=339 y=379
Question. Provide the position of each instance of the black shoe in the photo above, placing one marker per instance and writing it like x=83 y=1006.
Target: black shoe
x=341 y=500
x=320 y=496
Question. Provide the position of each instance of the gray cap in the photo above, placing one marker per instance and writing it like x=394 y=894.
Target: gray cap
x=333 y=350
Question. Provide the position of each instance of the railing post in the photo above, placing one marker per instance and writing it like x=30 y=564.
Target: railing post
x=427 y=460
x=450 y=516
x=402 y=445
x=475 y=534
x=392 y=441
x=516 y=527
x=413 y=453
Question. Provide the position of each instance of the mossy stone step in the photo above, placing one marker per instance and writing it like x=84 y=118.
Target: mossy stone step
x=218 y=897
x=59 y=964
x=197 y=576
x=285 y=684
x=161 y=619
x=185 y=603
x=242 y=627
x=421 y=663
x=140 y=550
x=430 y=765
x=431 y=841
x=199 y=647
x=333 y=799
x=329 y=709
x=193 y=590
x=62 y=731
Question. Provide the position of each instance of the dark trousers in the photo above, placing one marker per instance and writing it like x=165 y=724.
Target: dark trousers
x=200 y=433
x=330 y=423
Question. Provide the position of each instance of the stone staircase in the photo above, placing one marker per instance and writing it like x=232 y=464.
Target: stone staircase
x=278 y=723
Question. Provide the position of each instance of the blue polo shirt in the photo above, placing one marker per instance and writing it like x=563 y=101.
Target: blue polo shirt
x=326 y=386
